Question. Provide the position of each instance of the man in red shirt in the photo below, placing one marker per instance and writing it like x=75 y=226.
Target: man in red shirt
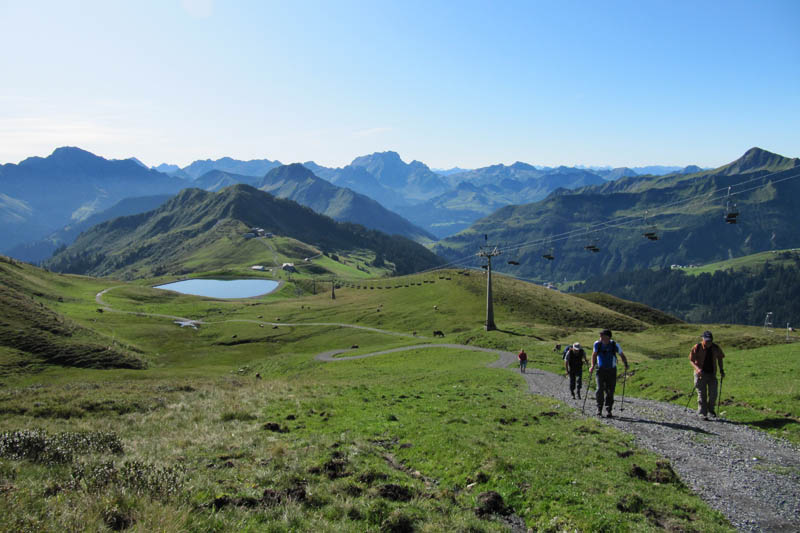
x=523 y=360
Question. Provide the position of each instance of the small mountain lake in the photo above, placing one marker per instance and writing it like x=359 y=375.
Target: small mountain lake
x=222 y=288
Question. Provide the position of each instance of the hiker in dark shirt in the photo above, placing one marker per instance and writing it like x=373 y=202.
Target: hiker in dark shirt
x=604 y=358
x=574 y=359
x=705 y=357
x=523 y=360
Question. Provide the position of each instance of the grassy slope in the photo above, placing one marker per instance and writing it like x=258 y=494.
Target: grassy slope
x=445 y=421
x=776 y=257
x=632 y=309
x=32 y=333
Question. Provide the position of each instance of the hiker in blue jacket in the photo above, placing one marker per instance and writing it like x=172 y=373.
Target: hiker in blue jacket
x=604 y=358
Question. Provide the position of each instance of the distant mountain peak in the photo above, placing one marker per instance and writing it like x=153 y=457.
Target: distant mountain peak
x=292 y=171
x=384 y=157
x=759 y=159
x=73 y=153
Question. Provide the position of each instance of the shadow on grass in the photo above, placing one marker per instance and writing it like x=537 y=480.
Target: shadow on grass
x=511 y=332
x=773 y=423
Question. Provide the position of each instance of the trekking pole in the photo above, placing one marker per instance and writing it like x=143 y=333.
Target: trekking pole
x=694 y=387
x=719 y=396
x=624 y=380
x=586 y=395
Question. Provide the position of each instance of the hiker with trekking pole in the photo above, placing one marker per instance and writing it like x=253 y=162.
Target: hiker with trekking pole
x=705 y=357
x=604 y=358
x=574 y=359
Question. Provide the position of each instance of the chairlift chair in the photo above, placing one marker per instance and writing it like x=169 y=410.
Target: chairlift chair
x=731 y=211
x=592 y=247
x=649 y=232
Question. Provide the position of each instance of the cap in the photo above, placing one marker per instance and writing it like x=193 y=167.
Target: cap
x=605 y=332
x=707 y=336
x=577 y=346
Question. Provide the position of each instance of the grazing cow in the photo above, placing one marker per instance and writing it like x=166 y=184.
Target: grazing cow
x=557 y=348
x=354 y=347
x=258 y=375
x=414 y=333
x=435 y=307
x=438 y=333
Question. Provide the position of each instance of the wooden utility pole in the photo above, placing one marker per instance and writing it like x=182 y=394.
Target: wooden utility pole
x=490 y=325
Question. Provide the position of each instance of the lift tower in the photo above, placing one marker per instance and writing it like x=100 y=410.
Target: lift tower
x=490 y=326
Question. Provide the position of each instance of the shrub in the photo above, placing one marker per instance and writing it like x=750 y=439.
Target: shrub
x=37 y=446
x=138 y=477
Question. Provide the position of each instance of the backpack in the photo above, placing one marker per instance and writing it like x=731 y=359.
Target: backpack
x=612 y=350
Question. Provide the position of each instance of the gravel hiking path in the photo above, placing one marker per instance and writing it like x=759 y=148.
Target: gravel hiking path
x=750 y=477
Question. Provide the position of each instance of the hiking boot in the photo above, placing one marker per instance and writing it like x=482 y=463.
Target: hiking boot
x=573 y=395
x=579 y=395
x=600 y=413
x=608 y=414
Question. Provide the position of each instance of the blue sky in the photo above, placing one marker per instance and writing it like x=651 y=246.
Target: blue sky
x=456 y=83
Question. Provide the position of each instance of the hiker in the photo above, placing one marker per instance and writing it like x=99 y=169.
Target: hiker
x=604 y=358
x=705 y=357
x=523 y=360
x=574 y=359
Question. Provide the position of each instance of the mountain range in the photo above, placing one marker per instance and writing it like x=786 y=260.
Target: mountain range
x=685 y=212
x=39 y=195
x=43 y=201
x=38 y=251
x=197 y=224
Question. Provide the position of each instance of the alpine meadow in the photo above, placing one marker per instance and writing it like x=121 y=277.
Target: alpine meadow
x=399 y=267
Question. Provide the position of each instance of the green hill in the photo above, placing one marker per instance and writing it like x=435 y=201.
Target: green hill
x=33 y=334
x=632 y=309
x=743 y=295
x=200 y=231
x=686 y=211
x=749 y=262
x=237 y=426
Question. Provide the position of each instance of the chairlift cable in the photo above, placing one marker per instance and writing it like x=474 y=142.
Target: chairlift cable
x=627 y=220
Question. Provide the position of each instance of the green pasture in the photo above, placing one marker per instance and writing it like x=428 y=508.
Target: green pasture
x=775 y=257
x=234 y=426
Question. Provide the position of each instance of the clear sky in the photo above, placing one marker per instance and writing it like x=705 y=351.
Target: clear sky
x=449 y=83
